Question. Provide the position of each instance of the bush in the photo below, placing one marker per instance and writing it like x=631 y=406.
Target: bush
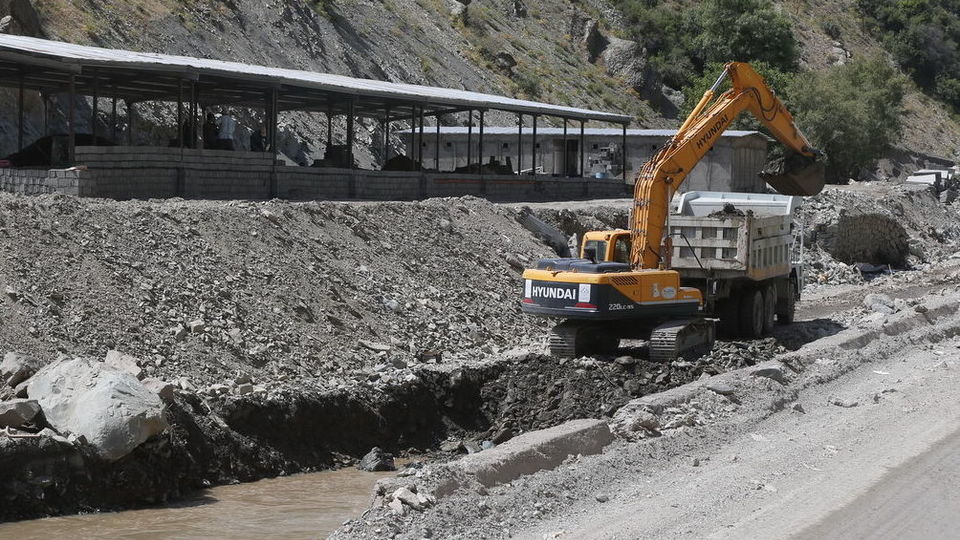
x=850 y=112
x=683 y=43
x=922 y=35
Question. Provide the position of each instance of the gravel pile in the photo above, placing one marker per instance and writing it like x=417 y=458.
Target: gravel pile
x=210 y=292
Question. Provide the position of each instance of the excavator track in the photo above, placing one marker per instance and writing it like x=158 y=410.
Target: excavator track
x=689 y=338
x=572 y=339
x=563 y=340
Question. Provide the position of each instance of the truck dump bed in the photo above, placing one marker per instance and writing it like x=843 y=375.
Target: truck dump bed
x=733 y=235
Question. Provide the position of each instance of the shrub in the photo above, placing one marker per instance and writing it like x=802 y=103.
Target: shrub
x=850 y=112
x=923 y=37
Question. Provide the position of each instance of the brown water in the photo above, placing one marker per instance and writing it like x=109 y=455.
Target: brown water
x=302 y=506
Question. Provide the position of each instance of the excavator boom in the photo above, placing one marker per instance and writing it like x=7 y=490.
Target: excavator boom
x=798 y=174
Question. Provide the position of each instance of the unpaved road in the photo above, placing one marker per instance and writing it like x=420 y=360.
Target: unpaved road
x=885 y=468
x=918 y=499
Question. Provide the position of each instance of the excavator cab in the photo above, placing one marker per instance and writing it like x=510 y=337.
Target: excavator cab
x=606 y=246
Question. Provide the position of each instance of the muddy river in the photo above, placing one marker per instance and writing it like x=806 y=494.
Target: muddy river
x=301 y=506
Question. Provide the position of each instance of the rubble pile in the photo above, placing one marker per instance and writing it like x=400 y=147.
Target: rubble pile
x=209 y=291
x=850 y=234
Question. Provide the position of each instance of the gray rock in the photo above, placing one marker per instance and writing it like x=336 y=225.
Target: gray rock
x=396 y=506
x=407 y=497
x=17 y=367
x=631 y=386
x=374 y=346
x=721 y=388
x=244 y=389
x=601 y=498
x=111 y=409
x=770 y=372
x=17 y=412
x=845 y=403
x=163 y=389
x=123 y=362
x=377 y=460
x=880 y=303
x=472 y=447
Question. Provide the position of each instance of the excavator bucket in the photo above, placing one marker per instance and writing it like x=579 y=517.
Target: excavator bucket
x=795 y=175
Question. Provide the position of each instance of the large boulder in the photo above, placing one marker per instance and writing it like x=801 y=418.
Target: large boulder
x=111 y=409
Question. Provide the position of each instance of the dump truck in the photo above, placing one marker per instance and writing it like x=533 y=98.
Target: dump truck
x=742 y=251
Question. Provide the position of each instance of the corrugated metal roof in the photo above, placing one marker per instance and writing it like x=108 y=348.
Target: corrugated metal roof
x=22 y=49
x=574 y=131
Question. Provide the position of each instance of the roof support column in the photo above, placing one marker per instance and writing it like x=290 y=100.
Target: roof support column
x=350 y=131
x=180 y=137
x=131 y=117
x=566 y=152
x=420 y=151
x=386 y=138
x=46 y=115
x=483 y=181
x=327 y=152
x=273 y=120
x=583 y=147
x=436 y=147
x=192 y=122
x=414 y=145
x=534 y=147
x=113 y=118
x=72 y=121
x=623 y=153
x=520 y=143
x=95 y=115
x=20 y=115
x=469 y=139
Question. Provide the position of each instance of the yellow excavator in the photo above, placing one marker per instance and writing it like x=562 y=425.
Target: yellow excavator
x=604 y=299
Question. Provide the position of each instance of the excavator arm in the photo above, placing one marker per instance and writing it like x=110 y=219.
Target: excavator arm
x=798 y=174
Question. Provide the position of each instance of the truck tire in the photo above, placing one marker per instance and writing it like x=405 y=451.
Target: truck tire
x=769 y=308
x=751 y=313
x=787 y=308
x=728 y=310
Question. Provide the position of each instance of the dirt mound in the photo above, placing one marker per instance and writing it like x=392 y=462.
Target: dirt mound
x=205 y=290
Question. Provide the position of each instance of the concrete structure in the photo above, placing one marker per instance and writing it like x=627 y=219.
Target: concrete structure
x=122 y=172
x=96 y=164
x=732 y=164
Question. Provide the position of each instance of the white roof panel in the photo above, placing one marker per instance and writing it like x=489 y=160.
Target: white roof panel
x=71 y=54
x=574 y=131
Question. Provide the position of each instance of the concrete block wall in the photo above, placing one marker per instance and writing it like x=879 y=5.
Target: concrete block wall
x=41 y=181
x=139 y=172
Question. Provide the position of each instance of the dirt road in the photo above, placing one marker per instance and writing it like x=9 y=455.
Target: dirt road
x=874 y=455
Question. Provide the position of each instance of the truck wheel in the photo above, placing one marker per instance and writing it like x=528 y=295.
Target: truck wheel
x=751 y=314
x=787 y=308
x=728 y=311
x=769 y=308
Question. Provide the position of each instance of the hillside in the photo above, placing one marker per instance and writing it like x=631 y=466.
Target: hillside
x=559 y=51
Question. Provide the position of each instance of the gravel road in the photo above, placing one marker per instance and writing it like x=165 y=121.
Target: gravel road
x=872 y=455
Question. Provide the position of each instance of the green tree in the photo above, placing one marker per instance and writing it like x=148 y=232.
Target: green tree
x=851 y=112
x=682 y=43
x=745 y=31
x=923 y=37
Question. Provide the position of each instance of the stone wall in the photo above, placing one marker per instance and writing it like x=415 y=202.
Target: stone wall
x=41 y=181
x=142 y=173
